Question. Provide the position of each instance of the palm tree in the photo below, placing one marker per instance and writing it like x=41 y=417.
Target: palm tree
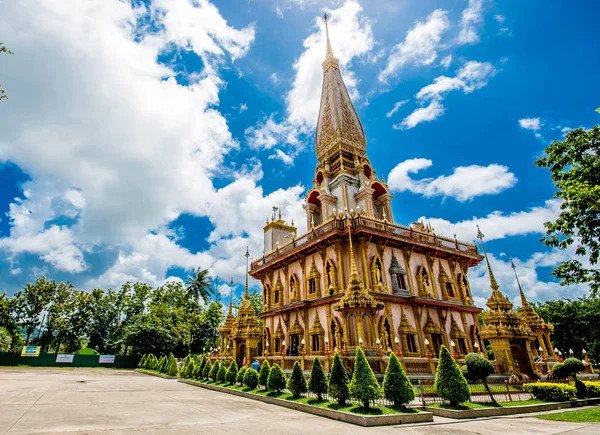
x=199 y=285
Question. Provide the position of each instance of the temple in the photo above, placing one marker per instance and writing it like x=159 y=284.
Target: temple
x=357 y=278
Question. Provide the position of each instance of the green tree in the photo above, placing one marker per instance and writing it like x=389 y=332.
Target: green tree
x=3 y=49
x=364 y=385
x=171 y=368
x=35 y=299
x=240 y=376
x=318 y=381
x=396 y=385
x=199 y=286
x=263 y=376
x=251 y=378
x=207 y=370
x=276 y=380
x=478 y=369
x=9 y=318
x=297 y=382
x=574 y=165
x=214 y=371
x=232 y=372
x=5 y=339
x=338 y=381
x=450 y=383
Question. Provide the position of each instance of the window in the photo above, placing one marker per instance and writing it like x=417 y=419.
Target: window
x=400 y=281
x=277 y=345
x=411 y=343
x=450 y=289
x=276 y=297
x=315 y=343
x=436 y=343
x=312 y=286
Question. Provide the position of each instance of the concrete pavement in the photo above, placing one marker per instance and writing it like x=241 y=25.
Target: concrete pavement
x=81 y=401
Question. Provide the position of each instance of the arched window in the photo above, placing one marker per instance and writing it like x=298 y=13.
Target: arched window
x=399 y=278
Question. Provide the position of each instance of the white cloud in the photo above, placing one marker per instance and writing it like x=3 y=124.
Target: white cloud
x=445 y=62
x=274 y=78
x=498 y=225
x=112 y=141
x=285 y=158
x=279 y=11
x=422 y=114
x=533 y=124
x=420 y=45
x=243 y=107
x=471 y=76
x=351 y=37
x=472 y=16
x=500 y=18
x=466 y=182
x=397 y=106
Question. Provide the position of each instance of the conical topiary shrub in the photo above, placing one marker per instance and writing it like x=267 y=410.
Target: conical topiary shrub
x=213 y=372
x=222 y=372
x=142 y=361
x=231 y=373
x=189 y=369
x=276 y=380
x=201 y=368
x=197 y=372
x=263 y=376
x=297 y=382
x=161 y=364
x=171 y=366
x=152 y=362
x=251 y=378
x=450 y=383
x=364 y=385
x=318 y=381
x=396 y=385
x=240 y=376
x=206 y=370
x=338 y=381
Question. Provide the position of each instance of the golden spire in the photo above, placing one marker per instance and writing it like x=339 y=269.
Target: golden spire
x=524 y=302
x=353 y=270
x=493 y=283
x=329 y=51
x=231 y=299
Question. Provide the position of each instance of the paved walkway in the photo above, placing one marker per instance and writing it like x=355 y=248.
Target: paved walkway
x=80 y=401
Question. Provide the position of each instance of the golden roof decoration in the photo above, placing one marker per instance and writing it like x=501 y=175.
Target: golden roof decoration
x=245 y=324
x=356 y=295
x=405 y=327
x=296 y=328
x=316 y=328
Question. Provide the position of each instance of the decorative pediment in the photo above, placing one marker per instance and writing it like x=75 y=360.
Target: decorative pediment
x=455 y=330
x=296 y=328
x=405 y=327
x=279 y=332
x=395 y=267
x=431 y=327
x=314 y=272
x=316 y=328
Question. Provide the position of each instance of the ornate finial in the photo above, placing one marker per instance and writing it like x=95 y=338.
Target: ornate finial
x=246 y=295
x=329 y=52
x=279 y=208
x=523 y=298
x=493 y=283
x=353 y=270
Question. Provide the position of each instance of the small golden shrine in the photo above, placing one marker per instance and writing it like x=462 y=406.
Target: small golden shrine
x=245 y=330
x=508 y=330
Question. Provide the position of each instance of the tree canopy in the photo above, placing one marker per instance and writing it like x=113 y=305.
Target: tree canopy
x=574 y=165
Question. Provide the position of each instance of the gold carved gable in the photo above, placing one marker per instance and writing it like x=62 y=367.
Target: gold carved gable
x=316 y=328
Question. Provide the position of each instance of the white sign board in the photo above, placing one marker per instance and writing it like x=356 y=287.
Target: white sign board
x=64 y=358
x=107 y=359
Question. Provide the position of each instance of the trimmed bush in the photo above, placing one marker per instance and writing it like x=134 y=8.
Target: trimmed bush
x=161 y=364
x=318 y=381
x=222 y=373
x=478 y=369
x=240 y=376
x=580 y=389
x=550 y=392
x=297 y=382
x=171 y=366
x=593 y=388
x=396 y=385
x=559 y=371
x=450 y=383
x=263 y=376
x=207 y=369
x=338 y=381
x=364 y=385
x=572 y=366
x=213 y=372
x=142 y=362
x=251 y=378
x=232 y=372
x=197 y=372
x=276 y=380
x=201 y=368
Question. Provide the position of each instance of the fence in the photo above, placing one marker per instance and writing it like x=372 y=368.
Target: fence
x=49 y=360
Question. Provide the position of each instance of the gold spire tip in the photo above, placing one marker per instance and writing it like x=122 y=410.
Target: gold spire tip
x=329 y=51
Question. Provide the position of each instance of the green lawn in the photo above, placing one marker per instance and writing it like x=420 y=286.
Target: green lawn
x=581 y=416
x=351 y=407
x=474 y=405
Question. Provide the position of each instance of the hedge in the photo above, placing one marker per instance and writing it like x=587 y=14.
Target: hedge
x=251 y=378
x=593 y=388
x=550 y=392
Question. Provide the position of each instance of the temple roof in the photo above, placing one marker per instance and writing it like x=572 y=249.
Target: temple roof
x=338 y=127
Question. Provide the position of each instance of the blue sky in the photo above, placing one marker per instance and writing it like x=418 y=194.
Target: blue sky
x=144 y=139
